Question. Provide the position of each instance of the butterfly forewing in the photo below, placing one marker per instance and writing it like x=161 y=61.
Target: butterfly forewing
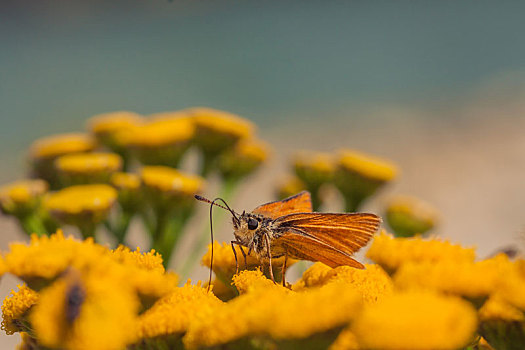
x=300 y=203
x=334 y=236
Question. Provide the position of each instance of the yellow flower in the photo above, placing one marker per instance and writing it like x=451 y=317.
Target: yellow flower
x=82 y=205
x=243 y=159
x=290 y=186
x=86 y=168
x=360 y=175
x=169 y=187
x=224 y=265
x=416 y=320
x=108 y=128
x=277 y=314
x=248 y=281
x=372 y=283
x=496 y=308
x=222 y=291
x=86 y=311
x=172 y=315
x=219 y=130
x=162 y=141
x=391 y=253
x=473 y=280
x=22 y=197
x=150 y=261
x=408 y=216
x=16 y=308
x=44 y=258
x=45 y=150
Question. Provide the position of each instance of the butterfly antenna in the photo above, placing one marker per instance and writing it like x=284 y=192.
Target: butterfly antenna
x=226 y=207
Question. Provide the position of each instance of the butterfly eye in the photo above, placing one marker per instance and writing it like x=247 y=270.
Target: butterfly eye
x=252 y=224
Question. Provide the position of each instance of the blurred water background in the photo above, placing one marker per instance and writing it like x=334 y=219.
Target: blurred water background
x=436 y=86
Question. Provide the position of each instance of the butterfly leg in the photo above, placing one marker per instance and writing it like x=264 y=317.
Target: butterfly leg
x=244 y=256
x=269 y=257
x=235 y=255
x=283 y=271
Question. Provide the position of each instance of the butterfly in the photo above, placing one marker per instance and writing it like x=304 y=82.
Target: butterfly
x=289 y=228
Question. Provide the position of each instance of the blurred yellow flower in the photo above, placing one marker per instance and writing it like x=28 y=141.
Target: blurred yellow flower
x=16 y=308
x=360 y=175
x=416 y=320
x=45 y=150
x=22 y=197
x=345 y=341
x=218 y=130
x=277 y=314
x=86 y=311
x=172 y=315
x=408 y=216
x=87 y=168
x=496 y=308
x=57 y=145
x=108 y=127
x=84 y=206
x=243 y=159
x=125 y=181
x=289 y=187
x=391 y=253
x=44 y=258
x=171 y=181
x=473 y=280
x=372 y=283
x=162 y=141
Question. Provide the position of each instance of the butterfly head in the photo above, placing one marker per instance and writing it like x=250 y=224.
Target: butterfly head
x=246 y=227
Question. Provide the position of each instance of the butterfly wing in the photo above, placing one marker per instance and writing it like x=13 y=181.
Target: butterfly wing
x=329 y=238
x=299 y=203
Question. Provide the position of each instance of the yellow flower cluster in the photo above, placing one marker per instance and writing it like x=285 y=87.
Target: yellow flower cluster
x=391 y=253
x=408 y=215
x=22 y=196
x=88 y=295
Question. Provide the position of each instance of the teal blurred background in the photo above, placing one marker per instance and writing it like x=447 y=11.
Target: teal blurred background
x=436 y=86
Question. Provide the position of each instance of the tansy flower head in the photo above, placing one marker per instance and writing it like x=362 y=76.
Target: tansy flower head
x=109 y=128
x=219 y=130
x=150 y=261
x=408 y=216
x=290 y=186
x=86 y=168
x=248 y=281
x=416 y=320
x=86 y=311
x=15 y=310
x=224 y=265
x=360 y=175
x=21 y=198
x=162 y=141
x=473 y=280
x=172 y=315
x=243 y=159
x=372 y=283
x=345 y=341
x=84 y=206
x=168 y=186
x=391 y=253
x=298 y=316
x=45 y=150
x=44 y=258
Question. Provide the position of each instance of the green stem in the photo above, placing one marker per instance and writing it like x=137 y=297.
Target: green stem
x=207 y=163
x=352 y=203
x=121 y=229
x=87 y=230
x=168 y=241
x=227 y=192
x=33 y=224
